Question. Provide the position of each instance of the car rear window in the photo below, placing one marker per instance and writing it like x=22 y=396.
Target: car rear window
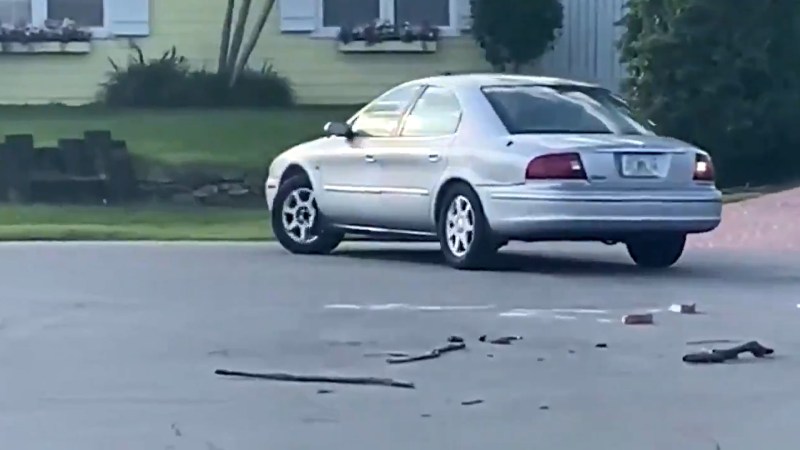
x=530 y=109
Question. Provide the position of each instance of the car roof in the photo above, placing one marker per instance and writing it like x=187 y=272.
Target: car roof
x=478 y=80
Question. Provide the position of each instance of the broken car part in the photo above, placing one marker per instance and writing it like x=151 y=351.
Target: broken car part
x=369 y=381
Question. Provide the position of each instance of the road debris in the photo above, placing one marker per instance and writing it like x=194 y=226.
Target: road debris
x=505 y=340
x=544 y=407
x=455 y=339
x=472 y=402
x=425 y=415
x=365 y=381
x=713 y=341
x=324 y=391
x=386 y=354
x=540 y=359
x=638 y=319
x=717 y=356
x=571 y=351
x=690 y=308
x=435 y=353
x=601 y=345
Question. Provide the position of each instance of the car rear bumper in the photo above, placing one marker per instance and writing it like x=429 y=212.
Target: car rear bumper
x=522 y=213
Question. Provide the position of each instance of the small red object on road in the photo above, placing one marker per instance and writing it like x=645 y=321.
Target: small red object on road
x=638 y=319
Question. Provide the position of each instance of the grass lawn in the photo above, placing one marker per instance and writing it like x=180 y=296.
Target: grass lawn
x=145 y=222
x=246 y=139
x=39 y=222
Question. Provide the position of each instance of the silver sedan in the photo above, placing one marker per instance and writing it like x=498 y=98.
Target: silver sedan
x=475 y=161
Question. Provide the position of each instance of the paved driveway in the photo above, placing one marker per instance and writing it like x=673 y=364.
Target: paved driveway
x=114 y=346
x=768 y=223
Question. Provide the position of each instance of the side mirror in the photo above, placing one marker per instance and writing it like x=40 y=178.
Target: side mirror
x=338 y=129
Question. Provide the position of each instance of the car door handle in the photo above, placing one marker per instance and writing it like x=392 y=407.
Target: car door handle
x=369 y=158
x=433 y=158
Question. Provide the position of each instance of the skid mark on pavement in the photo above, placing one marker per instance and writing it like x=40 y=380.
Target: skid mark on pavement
x=407 y=307
x=545 y=314
x=598 y=315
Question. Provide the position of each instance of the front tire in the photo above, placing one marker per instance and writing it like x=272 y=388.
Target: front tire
x=657 y=251
x=464 y=233
x=297 y=222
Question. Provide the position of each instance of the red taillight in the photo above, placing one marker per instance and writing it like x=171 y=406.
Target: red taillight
x=556 y=166
x=703 y=168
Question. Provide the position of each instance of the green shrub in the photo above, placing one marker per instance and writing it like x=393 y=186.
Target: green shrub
x=170 y=82
x=722 y=74
x=513 y=33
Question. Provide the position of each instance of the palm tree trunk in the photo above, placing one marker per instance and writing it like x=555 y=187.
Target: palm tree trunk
x=252 y=41
x=225 y=41
x=238 y=34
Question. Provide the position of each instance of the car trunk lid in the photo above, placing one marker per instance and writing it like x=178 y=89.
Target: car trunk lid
x=623 y=161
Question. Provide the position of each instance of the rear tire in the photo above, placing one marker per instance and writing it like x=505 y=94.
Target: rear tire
x=298 y=223
x=464 y=233
x=657 y=251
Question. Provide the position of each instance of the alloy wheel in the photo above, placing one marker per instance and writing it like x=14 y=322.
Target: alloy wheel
x=460 y=226
x=299 y=214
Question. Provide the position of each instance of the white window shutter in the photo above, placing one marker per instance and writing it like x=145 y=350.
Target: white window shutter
x=129 y=17
x=464 y=9
x=298 y=15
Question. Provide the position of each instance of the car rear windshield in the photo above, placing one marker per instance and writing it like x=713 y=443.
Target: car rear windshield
x=530 y=109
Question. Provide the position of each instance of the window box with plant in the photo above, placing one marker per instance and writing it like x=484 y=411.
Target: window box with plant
x=388 y=38
x=377 y=26
x=69 y=26
x=55 y=37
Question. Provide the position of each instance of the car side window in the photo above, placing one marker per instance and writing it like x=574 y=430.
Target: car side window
x=381 y=117
x=437 y=112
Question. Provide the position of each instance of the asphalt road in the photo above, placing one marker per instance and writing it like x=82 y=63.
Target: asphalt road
x=114 y=346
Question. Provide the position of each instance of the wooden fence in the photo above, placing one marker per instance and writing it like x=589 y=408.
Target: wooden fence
x=586 y=50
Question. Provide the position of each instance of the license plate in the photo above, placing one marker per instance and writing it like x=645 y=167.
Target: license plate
x=642 y=165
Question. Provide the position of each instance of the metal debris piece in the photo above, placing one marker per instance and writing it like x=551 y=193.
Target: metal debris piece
x=324 y=391
x=367 y=381
x=540 y=359
x=455 y=339
x=544 y=407
x=345 y=343
x=505 y=340
x=601 y=345
x=713 y=341
x=472 y=402
x=385 y=354
x=425 y=415
x=435 y=353
x=690 y=308
x=638 y=319
x=717 y=356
